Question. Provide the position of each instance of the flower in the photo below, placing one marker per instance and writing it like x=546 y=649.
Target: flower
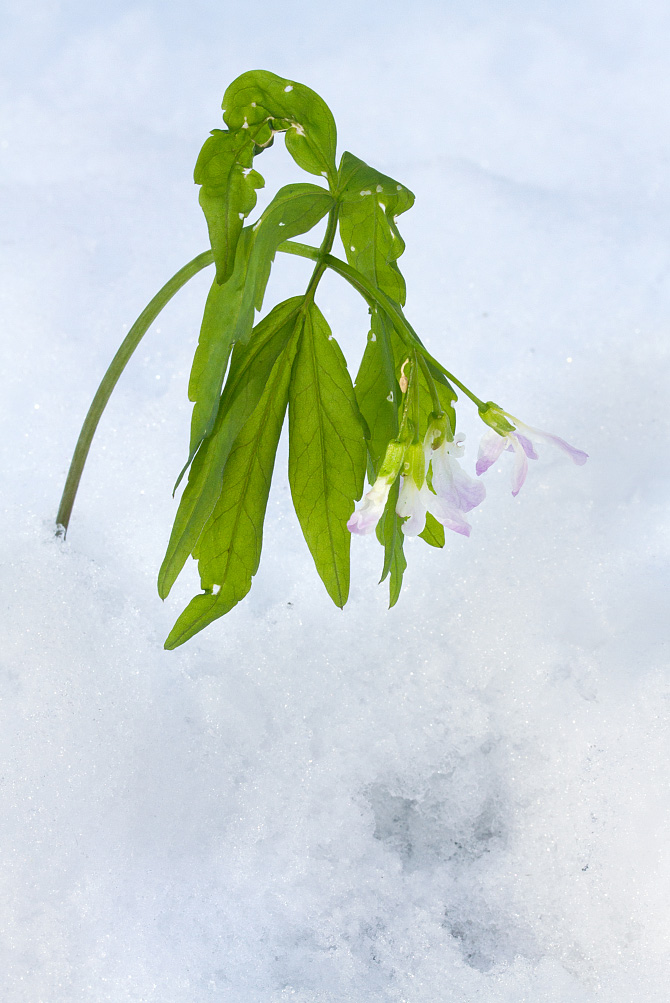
x=415 y=502
x=368 y=515
x=519 y=439
x=450 y=482
x=432 y=481
x=453 y=491
x=365 y=518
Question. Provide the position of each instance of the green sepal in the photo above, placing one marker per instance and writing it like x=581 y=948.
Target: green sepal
x=228 y=192
x=390 y=535
x=229 y=548
x=327 y=451
x=496 y=418
x=259 y=97
x=250 y=370
x=369 y=204
x=433 y=534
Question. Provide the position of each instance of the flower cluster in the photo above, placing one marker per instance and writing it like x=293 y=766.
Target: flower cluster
x=434 y=481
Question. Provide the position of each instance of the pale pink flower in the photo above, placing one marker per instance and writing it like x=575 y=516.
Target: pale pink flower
x=365 y=518
x=414 y=502
x=450 y=482
x=452 y=492
x=520 y=441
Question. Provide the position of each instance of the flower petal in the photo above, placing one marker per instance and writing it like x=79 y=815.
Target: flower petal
x=452 y=484
x=365 y=518
x=520 y=465
x=411 y=506
x=576 y=455
x=528 y=447
x=450 y=517
x=490 y=449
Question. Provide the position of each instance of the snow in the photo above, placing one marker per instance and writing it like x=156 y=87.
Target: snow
x=466 y=798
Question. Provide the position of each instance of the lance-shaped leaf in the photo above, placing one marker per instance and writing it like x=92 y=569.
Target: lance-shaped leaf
x=219 y=325
x=229 y=548
x=228 y=192
x=327 y=451
x=369 y=204
x=250 y=369
x=260 y=97
x=294 y=209
x=390 y=535
x=377 y=390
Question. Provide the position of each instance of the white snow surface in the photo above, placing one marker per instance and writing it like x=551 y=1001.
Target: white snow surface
x=465 y=798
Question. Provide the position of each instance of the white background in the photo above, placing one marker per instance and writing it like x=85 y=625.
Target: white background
x=466 y=798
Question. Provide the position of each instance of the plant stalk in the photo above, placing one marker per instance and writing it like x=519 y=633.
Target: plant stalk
x=111 y=377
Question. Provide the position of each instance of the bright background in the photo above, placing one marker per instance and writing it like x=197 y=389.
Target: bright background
x=466 y=798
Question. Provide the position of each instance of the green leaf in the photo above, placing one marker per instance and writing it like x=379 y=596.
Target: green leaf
x=228 y=192
x=390 y=535
x=377 y=390
x=295 y=209
x=229 y=548
x=219 y=325
x=260 y=98
x=369 y=204
x=327 y=451
x=250 y=370
x=433 y=534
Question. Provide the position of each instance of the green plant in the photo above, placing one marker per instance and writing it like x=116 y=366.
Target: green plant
x=396 y=424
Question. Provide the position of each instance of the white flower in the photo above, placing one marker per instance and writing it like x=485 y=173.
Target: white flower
x=414 y=502
x=453 y=491
x=368 y=515
x=519 y=440
x=450 y=482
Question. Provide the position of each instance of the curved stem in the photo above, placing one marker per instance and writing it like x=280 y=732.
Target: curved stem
x=111 y=377
x=372 y=295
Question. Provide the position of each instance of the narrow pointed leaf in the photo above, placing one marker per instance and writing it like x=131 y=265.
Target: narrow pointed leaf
x=219 y=325
x=327 y=452
x=295 y=209
x=377 y=390
x=249 y=372
x=229 y=548
x=391 y=537
x=262 y=98
x=228 y=192
x=369 y=204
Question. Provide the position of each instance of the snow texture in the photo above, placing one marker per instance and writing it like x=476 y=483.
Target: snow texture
x=463 y=799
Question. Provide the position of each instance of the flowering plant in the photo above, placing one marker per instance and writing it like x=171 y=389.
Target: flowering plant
x=396 y=422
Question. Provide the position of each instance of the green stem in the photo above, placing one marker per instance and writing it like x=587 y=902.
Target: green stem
x=428 y=376
x=322 y=253
x=415 y=391
x=111 y=377
x=372 y=295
